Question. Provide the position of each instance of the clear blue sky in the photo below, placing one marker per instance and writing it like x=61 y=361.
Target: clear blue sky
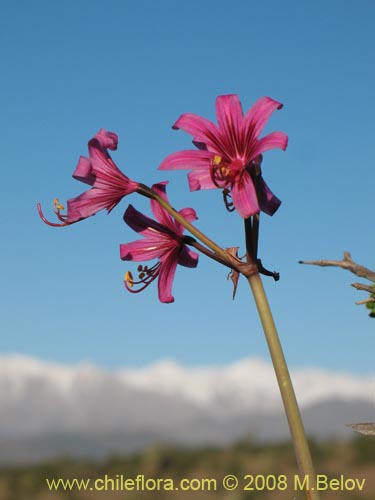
x=70 y=68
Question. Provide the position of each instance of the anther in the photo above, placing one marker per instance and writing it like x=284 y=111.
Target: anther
x=128 y=279
x=145 y=277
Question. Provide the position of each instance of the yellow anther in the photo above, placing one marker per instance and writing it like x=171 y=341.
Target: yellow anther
x=217 y=160
x=128 y=278
x=224 y=170
x=57 y=206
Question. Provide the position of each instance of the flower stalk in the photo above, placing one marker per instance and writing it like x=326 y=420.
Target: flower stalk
x=301 y=447
x=293 y=414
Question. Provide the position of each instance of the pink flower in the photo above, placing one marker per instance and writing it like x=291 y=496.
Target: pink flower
x=163 y=240
x=109 y=184
x=229 y=154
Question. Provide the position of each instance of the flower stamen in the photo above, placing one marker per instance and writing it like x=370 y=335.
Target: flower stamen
x=57 y=207
x=227 y=197
x=220 y=173
x=128 y=279
x=146 y=276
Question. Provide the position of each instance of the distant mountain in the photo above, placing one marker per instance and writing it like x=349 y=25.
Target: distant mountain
x=48 y=409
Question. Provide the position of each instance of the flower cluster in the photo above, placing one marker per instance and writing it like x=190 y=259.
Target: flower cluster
x=228 y=156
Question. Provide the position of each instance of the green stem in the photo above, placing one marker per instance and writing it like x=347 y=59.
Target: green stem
x=212 y=255
x=301 y=447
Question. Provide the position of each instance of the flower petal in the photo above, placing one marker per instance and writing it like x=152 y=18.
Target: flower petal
x=100 y=170
x=187 y=159
x=270 y=141
x=159 y=212
x=97 y=150
x=164 y=217
x=202 y=130
x=244 y=196
x=105 y=139
x=201 y=179
x=89 y=203
x=166 y=274
x=229 y=116
x=268 y=202
x=83 y=171
x=140 y=250
x=257 y=117
x=189 y=213
x=109 y=176
x=188 y=257
x=140 y=222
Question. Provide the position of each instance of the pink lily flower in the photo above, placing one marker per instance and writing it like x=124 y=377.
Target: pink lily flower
x=229 y=154
x=163 y=240
x=109 y=184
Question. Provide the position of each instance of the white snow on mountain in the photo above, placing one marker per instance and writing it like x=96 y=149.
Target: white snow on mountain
x=239 y=386
x=48 y=409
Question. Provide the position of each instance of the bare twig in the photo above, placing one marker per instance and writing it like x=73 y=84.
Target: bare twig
x=370 y=300
x=346 y=263
x=366 y=288
x=364 y=428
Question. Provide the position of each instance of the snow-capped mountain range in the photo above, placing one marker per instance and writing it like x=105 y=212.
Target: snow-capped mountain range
x=50 y=405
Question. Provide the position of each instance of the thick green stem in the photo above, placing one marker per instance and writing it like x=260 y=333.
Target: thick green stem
x=301 y=447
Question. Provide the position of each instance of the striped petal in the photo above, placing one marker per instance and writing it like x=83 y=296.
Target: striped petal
x=83 y=171
x=244 y=196
x=201 y=129
x=230 y=116
x=201 y=179
x=274 y=140
x=258 y=115
x=166 y=274
x=141 y=250
x=190 y=158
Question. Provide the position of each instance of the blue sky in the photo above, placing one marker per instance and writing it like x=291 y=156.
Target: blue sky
x=70 y=68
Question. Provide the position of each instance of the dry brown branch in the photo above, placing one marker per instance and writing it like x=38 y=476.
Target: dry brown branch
x=346 y=263
x=365 y=301
x=366 y=288
x=364 y=428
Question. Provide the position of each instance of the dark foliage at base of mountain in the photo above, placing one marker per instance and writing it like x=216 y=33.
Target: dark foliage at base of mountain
x=354 y=460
